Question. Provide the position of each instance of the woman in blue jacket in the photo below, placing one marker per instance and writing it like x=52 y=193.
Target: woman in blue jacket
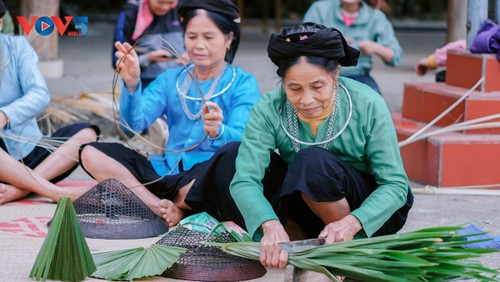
x=211 y=37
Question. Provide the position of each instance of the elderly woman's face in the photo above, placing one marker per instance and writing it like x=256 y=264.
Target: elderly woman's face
x=205 y=43
x=309 y=88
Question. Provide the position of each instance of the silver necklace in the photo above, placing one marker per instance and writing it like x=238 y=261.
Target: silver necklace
x=186 y=84
x=214 y=95
x=293 y=124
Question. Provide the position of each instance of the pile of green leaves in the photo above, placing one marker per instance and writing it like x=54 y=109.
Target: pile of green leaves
x=136 y=263
x=432 y=254
x=64 y=254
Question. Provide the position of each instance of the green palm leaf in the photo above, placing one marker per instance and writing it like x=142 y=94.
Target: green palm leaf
x=136 y=263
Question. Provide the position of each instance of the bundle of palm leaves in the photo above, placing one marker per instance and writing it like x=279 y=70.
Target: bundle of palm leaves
x=64 y=254
x=432 y=254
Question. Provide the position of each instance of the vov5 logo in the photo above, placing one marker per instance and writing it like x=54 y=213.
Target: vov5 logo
x=45 y=25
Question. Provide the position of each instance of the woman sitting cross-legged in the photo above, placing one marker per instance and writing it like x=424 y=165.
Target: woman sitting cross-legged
x=29 y=161
x=211 y=37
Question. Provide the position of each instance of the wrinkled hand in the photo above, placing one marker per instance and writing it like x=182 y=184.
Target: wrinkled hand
x=212 y=119
x=342 y=230
x=271 y=253
x=159 y=56
x=422 y=67
x=368 y=47
x=128 y=65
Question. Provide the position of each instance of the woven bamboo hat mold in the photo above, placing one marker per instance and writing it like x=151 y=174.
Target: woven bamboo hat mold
x=110 y=210
x=208 y=263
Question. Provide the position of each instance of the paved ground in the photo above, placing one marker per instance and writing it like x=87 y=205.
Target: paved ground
x=87 y=67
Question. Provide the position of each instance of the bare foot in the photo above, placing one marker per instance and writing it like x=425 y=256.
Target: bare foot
x=170 y=212
x=9 y=193
x=73 y=192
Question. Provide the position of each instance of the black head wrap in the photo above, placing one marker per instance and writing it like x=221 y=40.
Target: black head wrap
x=3 y=9
x=222 y=7
x=223 y=12
x=324 y=42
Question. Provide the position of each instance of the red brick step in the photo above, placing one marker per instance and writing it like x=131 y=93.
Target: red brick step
x=423 y=102
x=450 y=159
x=464 y=69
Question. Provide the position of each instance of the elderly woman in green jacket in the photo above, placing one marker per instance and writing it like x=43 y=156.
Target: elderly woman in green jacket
x=338 y=174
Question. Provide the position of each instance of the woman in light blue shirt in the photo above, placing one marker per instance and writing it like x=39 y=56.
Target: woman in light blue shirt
x=211 y=39
x=27 y=163
x=365 y=29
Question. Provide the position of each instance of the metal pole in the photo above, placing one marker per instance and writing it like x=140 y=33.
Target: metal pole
x=241 y=5
x=497 y=11
x=45 y=46
x=477 y=13
x=265 y=17
x=456 y=20
x=277 y=7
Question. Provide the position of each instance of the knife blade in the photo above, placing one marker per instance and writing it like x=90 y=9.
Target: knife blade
x=301 y=245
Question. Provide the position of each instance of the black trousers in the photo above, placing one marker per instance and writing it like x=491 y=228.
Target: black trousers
x=318 y=173
x=324 y=177
x=210 y=191
x=164 y=187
